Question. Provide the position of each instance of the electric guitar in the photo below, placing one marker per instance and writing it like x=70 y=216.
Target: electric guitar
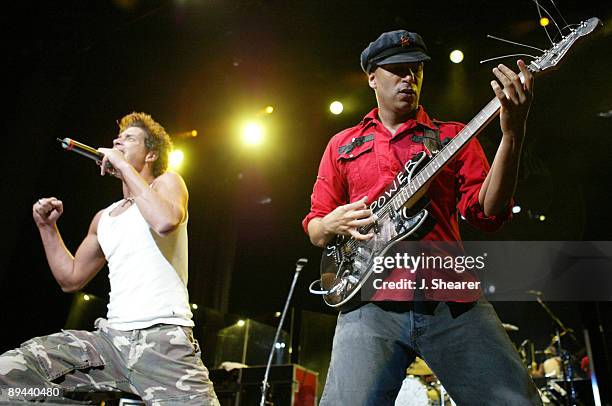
x=348 y=263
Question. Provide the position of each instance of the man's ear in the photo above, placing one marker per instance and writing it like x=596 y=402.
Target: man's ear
x=151 y=156
x=372 y=80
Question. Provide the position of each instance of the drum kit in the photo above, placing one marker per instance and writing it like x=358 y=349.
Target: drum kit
x=556 y=372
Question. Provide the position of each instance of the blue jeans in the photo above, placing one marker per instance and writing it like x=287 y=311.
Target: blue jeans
x=465 y=345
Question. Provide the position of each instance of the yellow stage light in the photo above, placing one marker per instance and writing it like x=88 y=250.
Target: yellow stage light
x=194 y=306
x=269 y=110
x=336 y=107
x=544 y=21
x=240 y=323
x=175 y=159
x=456 y=56
x=252 y=134
x=86 y=297
x=194 y=133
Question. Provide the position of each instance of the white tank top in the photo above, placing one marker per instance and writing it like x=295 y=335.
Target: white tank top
x=148 y=273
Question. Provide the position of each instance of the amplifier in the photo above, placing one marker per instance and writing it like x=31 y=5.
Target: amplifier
x=290 y=385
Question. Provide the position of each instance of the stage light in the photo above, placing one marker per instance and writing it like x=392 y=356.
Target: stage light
x=542 y=217
x=544 y=21
x=277 y=314
x=252 y=134
x=516 y=209
x=194 y=306
x=269 y=109
x=86 y=297
x=176 y=159
x=456 y=56
x=336 y=107
x=185 y=134
x=240 y=323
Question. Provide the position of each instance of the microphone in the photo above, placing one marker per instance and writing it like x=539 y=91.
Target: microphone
x=71 y=145
x=89 y=152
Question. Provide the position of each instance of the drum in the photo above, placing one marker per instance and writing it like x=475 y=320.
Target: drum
x=418 y=368
x=412 y=393
x=553 y=368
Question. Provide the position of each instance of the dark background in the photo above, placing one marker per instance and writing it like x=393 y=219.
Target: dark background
x=73 y=68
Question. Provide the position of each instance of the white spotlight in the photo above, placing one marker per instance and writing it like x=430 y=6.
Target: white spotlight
x=336 y=107
x=456 y=56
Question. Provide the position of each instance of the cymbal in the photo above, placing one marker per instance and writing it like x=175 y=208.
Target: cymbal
x=419 y=368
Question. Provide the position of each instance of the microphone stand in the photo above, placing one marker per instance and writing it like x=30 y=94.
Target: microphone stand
x=264 y=384
x=564 y=330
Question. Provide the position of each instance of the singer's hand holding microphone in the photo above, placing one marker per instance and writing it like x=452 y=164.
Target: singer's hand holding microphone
x=112 y=159
x=108 y=159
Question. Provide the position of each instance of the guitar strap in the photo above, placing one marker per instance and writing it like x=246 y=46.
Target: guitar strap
x=431 y=140
x=356 y=142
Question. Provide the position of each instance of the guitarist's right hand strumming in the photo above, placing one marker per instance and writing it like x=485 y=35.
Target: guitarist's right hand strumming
x=344 y=220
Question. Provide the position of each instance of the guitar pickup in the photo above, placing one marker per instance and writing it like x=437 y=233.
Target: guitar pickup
x=376 y=227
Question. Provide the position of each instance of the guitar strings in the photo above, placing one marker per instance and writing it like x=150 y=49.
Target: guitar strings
x=559 y=12
x=541 y=7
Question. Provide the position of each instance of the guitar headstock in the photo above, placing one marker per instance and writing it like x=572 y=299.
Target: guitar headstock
x=553 y=56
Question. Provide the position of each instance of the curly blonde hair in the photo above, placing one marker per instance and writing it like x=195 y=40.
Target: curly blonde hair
x=157 y=139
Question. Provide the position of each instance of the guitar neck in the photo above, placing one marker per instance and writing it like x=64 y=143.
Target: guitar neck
x=443 y=157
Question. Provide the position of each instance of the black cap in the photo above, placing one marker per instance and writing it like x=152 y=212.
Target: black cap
x=394 y=47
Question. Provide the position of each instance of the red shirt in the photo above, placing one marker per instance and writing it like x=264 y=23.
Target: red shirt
x=367 y=169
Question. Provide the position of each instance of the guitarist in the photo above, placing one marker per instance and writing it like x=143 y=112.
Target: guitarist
x=463 y=343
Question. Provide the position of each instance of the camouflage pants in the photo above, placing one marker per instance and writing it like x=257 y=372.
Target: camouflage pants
x=161 y=364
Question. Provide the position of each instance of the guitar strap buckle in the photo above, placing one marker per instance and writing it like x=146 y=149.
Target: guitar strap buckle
x=431 y=140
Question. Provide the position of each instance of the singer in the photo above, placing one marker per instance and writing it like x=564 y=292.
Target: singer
x=146 y=345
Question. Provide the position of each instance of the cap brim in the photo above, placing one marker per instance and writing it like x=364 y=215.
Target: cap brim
x=404 y=57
